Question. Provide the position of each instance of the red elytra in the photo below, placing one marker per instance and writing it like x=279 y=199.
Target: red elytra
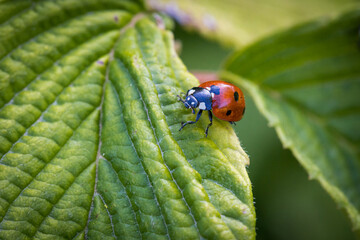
x=229 y=105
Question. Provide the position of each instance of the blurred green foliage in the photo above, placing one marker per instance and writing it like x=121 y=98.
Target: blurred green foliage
x=240 y=22
x=288 y=205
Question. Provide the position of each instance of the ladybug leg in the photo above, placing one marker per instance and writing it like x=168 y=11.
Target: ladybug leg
x=210 y=118
x=233 y=123
x=191 y=122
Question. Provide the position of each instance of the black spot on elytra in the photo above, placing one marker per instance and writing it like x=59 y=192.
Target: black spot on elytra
x=243 y=111
x=236 y=96
x=228 y=112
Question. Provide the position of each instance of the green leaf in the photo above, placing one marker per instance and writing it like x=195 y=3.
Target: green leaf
x=89 y=139
x=240 y=22
x=306 y=82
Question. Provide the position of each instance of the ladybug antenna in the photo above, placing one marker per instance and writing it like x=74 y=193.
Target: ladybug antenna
x=186 y=104
x=179 y=98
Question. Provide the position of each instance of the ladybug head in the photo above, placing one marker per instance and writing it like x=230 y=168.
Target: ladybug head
x=191 y=102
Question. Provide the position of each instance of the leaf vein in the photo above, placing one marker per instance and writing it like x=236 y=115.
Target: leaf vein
x=33 y=178
x=142 y=166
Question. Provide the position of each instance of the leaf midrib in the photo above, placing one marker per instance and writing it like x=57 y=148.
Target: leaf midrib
x=99 y=155
x=138 y=42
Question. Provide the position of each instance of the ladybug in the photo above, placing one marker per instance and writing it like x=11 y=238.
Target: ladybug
x=224 y=99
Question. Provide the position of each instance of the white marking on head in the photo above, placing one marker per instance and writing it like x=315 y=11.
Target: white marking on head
x=212 y=95
x=188 y=99
x=191 y=91
x=202 y=106
x=208 y=88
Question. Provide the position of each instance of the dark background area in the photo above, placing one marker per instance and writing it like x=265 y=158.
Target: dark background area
x=288 y=204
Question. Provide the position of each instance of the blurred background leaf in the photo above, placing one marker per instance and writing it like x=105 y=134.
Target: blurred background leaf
x=288 y=205
x=305 y=81
x=238 y=22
